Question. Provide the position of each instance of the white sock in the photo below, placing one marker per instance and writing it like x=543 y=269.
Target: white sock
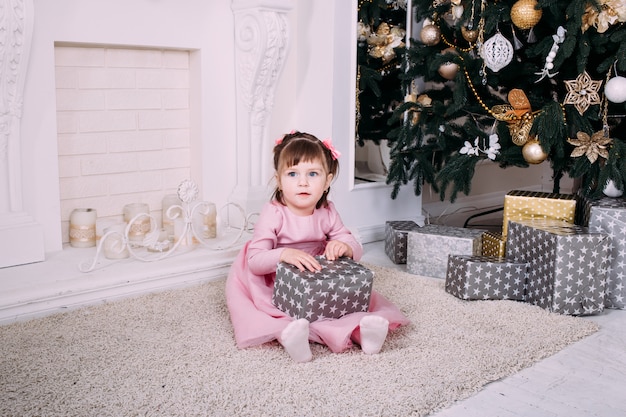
x=373 y=333
x=295 y=340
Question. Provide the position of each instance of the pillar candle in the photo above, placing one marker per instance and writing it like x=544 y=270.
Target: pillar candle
x=210 y=222
x=141 y=226
x=102 y=224
x=83 y=228
x=167 y=222
x=114 y=246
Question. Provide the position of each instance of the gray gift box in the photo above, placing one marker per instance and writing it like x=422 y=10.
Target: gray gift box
x=342 y=287
x=430 y=245
x=568 y=264
x=608 y=215
x=396 y=232
x=486 y=278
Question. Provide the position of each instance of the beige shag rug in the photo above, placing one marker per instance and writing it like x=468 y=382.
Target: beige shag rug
x=172 y=354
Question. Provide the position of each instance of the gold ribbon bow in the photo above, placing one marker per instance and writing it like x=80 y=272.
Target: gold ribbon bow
x=518 y=115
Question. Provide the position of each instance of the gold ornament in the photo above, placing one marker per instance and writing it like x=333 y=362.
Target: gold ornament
x=533 y=153
x=609 y=13
x=592 y=147
x=384 y=41
x=469 y=35
x=582 y=92
x=518 y=115
x=448 y=70
x=524 y=15
x=430 y=34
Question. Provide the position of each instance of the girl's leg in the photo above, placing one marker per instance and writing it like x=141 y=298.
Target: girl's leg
x=371 y=333
x=295 y=340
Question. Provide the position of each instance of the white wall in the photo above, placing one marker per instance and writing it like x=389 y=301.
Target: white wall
x=325 y=99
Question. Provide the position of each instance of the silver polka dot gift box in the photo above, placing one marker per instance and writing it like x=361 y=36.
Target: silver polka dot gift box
x=342 y=287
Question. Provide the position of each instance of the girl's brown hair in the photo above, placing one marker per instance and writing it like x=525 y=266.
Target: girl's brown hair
x=296 y=147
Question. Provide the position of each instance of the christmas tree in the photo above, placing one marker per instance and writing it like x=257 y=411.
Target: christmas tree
x=516 y=82
x=380 y=45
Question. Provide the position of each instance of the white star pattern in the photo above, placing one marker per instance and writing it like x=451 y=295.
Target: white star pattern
x=608 y=215
x=341 y=287
x=430 y=245
x=396 y=239
x=477 y=277
x=570 y=277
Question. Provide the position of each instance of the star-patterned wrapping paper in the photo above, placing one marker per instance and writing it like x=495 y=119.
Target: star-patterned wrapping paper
x=396 y=232
x=342 y=286
x=568 y=264
x=486 y=278
x=430 y=245
x=608 y=215
x=525 y=205
x=494 y=244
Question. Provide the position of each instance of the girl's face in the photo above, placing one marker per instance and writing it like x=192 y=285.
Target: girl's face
x=303 y=185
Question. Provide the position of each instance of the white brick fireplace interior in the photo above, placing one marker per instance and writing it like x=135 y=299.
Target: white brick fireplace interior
x=108 y=103
x=123 y=127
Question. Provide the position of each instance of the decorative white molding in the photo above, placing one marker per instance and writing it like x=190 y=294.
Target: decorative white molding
x=261 y=43
x=21 y=239
x=16 y=24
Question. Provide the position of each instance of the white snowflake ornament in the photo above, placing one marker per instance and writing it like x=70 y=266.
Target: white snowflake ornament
x=497 y=52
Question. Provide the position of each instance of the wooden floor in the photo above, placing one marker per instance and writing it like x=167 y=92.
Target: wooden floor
x=585 y=379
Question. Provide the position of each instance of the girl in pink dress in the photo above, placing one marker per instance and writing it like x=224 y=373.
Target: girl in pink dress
x=297 y=225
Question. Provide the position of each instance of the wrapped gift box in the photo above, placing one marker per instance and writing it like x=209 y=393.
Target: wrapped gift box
x=342 y=286
x=494 y=244
x=485 y=278
x=608 y=215
x=430 y=245
x=527 y=205
x=568 y=264
x=396 y=239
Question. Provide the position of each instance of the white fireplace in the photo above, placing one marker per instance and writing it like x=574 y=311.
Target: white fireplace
x=193 y=40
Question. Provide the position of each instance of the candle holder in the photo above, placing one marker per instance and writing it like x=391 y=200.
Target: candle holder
x=155 y=243
x=83 y=228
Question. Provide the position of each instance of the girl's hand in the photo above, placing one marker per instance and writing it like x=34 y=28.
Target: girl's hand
x=336 y=249
x=300 y=260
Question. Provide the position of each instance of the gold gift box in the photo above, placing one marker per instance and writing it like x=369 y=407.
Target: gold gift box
x=522 y=205
x=494 y=244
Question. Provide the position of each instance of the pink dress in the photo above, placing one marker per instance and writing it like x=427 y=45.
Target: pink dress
x=251 y=278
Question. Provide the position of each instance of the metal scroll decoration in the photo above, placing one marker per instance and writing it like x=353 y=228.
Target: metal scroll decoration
x=153 y=247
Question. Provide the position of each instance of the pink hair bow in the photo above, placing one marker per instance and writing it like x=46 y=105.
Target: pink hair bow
x=329 y=145
x=280 y=139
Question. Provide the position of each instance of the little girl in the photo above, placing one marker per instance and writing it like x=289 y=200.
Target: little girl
x=298 y=224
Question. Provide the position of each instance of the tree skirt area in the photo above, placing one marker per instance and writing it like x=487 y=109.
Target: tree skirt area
x=173 y=354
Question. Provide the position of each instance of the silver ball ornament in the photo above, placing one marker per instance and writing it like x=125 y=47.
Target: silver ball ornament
x=610 y=190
